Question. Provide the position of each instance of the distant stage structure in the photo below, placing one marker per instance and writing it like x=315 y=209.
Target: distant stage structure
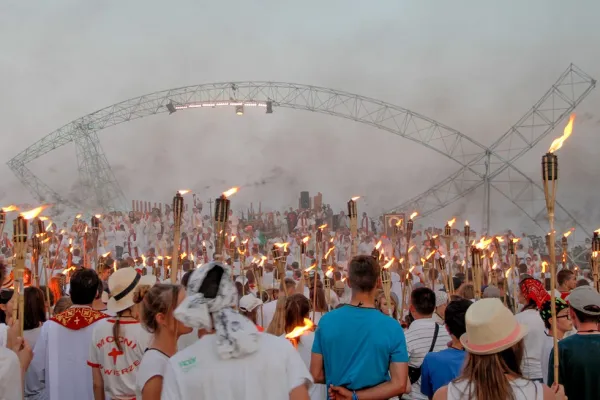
x=491 y=167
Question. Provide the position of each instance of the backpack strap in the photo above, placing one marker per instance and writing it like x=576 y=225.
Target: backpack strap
x=435 y=336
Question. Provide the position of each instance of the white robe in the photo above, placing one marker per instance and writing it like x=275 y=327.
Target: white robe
x=60 y=356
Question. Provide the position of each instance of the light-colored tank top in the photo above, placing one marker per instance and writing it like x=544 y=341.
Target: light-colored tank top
x=522 y=388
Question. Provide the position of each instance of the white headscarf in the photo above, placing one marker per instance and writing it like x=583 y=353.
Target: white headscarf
x=237 y=336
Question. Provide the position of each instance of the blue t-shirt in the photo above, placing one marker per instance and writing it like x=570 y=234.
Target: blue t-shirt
x=439 y=369
x=358 y=345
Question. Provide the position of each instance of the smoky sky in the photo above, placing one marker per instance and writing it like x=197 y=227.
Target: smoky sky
x=475 y=66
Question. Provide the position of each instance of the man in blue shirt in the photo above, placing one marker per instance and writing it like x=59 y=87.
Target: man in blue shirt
x=358 y=350
x=440 y=368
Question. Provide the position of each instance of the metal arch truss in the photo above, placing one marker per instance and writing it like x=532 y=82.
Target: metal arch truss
x=101 y=189
x=494 y=167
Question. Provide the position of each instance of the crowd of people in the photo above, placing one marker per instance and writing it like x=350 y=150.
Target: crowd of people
x=292 y=309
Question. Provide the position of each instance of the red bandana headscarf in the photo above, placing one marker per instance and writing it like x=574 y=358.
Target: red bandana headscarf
x=533 y=289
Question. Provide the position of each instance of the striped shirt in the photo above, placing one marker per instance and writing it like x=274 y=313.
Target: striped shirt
x=418 y=342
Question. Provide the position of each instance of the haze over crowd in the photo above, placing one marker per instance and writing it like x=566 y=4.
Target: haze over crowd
x=474 y=67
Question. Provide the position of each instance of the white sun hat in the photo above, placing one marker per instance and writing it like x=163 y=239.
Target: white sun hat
x=122 y=284
x=491 y=328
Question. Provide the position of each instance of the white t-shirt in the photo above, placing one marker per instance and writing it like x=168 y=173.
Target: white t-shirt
x=547 y=347
x=532 y=360
x=268 y=313
x=153 y=364
x=10 y=375
x=118 y=367
x=270 y=373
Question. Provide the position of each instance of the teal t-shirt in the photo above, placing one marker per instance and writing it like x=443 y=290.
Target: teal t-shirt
x=358 y=344
x=578 y=366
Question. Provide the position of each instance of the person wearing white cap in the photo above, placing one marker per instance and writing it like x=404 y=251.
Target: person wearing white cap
x=494 y=343
x=234 y=361
x=441 y=302
x=249 y=307
x=118 y=343
x=579 y=354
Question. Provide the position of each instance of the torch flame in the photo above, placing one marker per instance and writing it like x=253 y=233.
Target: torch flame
x=389 y=263
x=429 y=255
x=10 y=208
x=230 y=192
x=306 y=239
x=413 y=215
x=70 y=241
x=329 y=251
x=401 y=260
x=411 y=269
x=322 y=227
x=49 y=226
x=516 y=240
x=495 y=266
x=244 y=242
x=451 y=222
x=43 y=218
x=33 y=213
x=115 y=266
x=280 y=245
x=310 y=268
x=411 y=248
x=182 y=192
x=506 y=274
x=355 y=198
x=344 y=279
x=544 y=266
x=299 y=330
x=233 y=237
x=98 y=216
x=107 y=254
x=66 y=271
x=78 y=216
x=467 y=223
x=463 y=263
x=500 y=239
x=329 y=272
x=378 y=245
x=183 y=255
x=597 y=231
x=483 y=243
x=557 y=143
x=568 y=233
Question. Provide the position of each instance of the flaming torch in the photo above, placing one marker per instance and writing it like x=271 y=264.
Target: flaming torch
x=177 y=215
x=386 y=282
x=20 y=248
x=353 y=215
x=302 y=253
x=3 y=212
x=565 y=247
x=550 y=177
x=514 y=272
x=222 y=204
x=294 y=335
x=409 y=229
x=448 y=237
x=595 y=261
x=327 y=285
x=95 y=222
x=467 y=233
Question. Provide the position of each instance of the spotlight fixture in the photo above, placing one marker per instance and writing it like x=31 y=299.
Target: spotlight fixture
x=269 y=107
x=239 y=110
x=171 y=107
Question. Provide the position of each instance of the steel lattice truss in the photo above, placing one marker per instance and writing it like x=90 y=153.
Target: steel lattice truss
x=99 y=183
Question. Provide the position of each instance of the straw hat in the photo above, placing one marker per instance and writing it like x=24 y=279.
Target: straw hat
x=491 y=328
x=122 y=284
